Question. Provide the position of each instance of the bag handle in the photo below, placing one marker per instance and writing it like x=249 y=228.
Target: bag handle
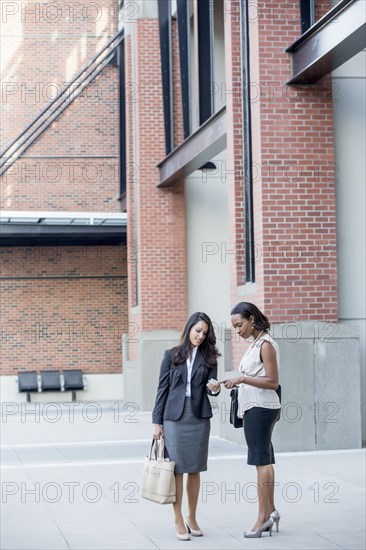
x=153 y=445
x=159 y=446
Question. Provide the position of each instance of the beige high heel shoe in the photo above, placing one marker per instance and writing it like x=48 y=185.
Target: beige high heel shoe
x=193 y=532
x=182 y=536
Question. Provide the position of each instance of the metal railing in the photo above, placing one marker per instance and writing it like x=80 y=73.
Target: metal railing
x=53 y=110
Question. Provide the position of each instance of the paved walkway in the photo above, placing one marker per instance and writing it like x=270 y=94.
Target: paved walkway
x=70 y=479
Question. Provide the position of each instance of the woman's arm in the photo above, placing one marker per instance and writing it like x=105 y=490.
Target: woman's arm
x=267 y=382
x=163 y=389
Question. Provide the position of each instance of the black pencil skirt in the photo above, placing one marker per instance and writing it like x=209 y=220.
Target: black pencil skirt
x=258 y=424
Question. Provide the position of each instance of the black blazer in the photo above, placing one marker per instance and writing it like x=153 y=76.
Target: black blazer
x=169 y=403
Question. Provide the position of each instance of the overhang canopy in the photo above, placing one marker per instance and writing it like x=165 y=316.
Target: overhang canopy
x=201 y=146
x=28 y=228
x=330 y=42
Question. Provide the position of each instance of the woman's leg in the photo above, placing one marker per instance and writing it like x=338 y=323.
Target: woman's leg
x=177 y=506
x=193 y=490
x=265 y=484
x=271 y=497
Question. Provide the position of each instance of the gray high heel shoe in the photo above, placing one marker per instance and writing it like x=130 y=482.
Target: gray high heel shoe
x=276 y=516
x=258 y=533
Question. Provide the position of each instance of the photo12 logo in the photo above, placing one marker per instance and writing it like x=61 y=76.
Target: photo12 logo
x=291 y=492
x=52 y=412
x=52 y=12
x=68 y=491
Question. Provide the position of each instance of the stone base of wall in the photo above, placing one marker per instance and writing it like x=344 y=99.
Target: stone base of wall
x=141 y=376
x=320 y=379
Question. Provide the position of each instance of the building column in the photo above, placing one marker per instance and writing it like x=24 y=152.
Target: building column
x=156 y=218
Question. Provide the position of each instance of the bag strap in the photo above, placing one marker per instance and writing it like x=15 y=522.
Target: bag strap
x=154 y=444
x=158 y=445
x=161 y=447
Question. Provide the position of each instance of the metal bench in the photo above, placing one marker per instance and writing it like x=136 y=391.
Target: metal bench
x=73 y=380
x=51 y=380
x=28 y=382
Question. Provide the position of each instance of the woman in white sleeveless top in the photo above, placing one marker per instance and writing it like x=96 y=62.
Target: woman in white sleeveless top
x=259 y=406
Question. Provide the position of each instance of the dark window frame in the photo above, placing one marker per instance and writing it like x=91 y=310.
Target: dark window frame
x=166 y=55
x=183 y=21
x=307 y=11
x=247 y=146
x=205 y=23
x=122 y=120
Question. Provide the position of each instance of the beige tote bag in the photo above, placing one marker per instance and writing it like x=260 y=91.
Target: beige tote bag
x=158 y=479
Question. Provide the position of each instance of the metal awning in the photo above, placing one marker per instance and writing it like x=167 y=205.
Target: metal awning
x=330 y=42
x=29 y=228
x=201 y=146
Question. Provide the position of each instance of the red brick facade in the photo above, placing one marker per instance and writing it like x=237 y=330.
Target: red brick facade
x=44 y=46
x=74 y=166
x=156 y=217
x=61 y=307
x=293 y=173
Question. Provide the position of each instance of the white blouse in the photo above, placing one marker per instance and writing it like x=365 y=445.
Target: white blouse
x=251 y=365
x=189 y=371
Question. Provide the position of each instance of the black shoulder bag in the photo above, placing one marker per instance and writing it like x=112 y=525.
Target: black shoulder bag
x=234 y=406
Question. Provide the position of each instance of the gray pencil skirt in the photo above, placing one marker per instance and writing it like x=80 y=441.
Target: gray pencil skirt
x=186 y=441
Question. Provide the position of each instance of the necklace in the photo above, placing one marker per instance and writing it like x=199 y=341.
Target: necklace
x=259 y=335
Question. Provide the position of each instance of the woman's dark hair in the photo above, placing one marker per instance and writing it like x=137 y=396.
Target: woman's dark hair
x=208 y=347
x=247 y=310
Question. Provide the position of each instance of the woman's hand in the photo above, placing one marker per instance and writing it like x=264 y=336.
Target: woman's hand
x=158 y=431
x=231 y=382
x=213 y=385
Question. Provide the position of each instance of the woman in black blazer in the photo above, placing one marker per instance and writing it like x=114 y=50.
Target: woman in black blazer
x=182 y=412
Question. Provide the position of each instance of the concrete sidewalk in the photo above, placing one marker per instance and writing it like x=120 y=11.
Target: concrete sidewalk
x=70 y=479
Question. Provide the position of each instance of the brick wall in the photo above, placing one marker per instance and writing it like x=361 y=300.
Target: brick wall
x=293 y=174
x=63 y=307
x=131 y=178
x=73 y=165
x=235 y=168
x=294 y=206
x=322 y=7
x=177 y=89
x=43 y=47
x=160 y=215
